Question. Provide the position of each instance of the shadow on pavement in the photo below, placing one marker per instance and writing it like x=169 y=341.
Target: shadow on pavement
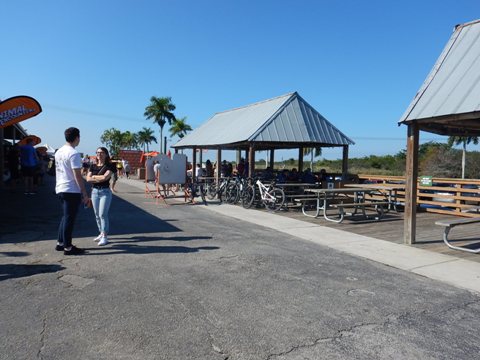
x=28 y=218
x=9 y=271
x=142 y=249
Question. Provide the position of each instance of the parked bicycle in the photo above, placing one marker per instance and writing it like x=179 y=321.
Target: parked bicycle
x=226 y=190
x=270 y=196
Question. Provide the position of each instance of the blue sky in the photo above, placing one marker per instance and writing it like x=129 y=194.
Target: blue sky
x=95 y=64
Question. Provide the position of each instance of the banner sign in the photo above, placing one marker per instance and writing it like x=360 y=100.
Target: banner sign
x=18 y=108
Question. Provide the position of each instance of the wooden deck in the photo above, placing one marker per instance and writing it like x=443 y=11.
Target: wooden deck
x=390 y=228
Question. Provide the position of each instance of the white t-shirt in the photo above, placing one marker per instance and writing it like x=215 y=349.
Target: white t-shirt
x=67 y=159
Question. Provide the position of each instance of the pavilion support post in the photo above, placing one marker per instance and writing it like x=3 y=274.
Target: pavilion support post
x=345 y=162
x=201 y=158
x=194 y=163
x=411 y=175
x=272 y=158
x=176 y=151
x=300 y=159
x=2 y=156
x=219 y=166
x=239 y=156
x=251 y=161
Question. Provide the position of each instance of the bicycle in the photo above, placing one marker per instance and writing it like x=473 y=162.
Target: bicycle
x=194 y=189
x=226 y=187
x=272 y=197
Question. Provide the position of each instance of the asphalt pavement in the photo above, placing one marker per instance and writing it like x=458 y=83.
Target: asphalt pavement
x=186 y=281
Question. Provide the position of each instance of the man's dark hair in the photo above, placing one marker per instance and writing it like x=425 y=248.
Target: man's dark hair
x=71 y=134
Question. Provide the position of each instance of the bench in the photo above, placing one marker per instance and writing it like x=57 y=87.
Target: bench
x=378 y=205
x=449 y=224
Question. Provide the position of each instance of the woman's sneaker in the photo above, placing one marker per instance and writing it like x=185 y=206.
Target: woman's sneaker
x=103 y=241
x=98 y=238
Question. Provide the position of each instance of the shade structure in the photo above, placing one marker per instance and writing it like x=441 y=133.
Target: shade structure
x=287 y=121
x=35 y=140
x=447 y=104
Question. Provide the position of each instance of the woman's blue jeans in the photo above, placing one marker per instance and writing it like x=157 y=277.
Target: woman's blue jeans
x=101 y=199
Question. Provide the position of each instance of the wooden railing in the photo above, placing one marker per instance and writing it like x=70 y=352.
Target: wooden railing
x=445 y=196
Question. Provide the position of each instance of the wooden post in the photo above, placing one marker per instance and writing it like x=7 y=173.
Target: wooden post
x=239 y=156
x=272 y=158
x=345 y=162
x=201 y=158
x=411 y=175
x=194 y=163
x=2 y=157
x=251 y=161
x=300 y=159
x=219 y=166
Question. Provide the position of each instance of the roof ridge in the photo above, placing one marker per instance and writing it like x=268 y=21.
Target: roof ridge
x=257 y=103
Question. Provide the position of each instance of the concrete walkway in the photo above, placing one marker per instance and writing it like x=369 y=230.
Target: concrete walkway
x=449 y=269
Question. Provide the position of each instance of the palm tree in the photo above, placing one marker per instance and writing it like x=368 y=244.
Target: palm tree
x=314 y=152
x=145 y=137
x=112 y=138
x=129 y=140
x=464 y=140
x=160 y=111
x=180 y=127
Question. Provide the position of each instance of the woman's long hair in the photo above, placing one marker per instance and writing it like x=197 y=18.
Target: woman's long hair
x=107 y=155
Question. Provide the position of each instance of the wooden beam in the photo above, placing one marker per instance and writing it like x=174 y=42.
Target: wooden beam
x=272 y=158
x=251 y=161
x=411 y=175
x=345 y=162
x=218 y=175
x=300 y=159
x=194 y=163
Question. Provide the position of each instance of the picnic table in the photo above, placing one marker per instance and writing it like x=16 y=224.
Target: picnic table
x=293 y=190
x=388 y=191
x=338 y=199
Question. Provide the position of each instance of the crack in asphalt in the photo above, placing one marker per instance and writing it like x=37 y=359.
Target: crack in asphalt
x=42 y=338
x=390 y=319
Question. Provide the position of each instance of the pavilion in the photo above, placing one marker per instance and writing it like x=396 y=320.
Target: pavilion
x=284 y=122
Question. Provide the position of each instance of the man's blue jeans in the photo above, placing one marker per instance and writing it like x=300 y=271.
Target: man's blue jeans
x=70 y=204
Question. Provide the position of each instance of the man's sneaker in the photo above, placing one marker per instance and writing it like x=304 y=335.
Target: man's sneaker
x=103 y=241
x=74 y=251
x=98 y=238
x=59 y=247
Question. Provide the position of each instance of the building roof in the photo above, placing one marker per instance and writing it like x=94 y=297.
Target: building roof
x=286 y=121
x=448 y=102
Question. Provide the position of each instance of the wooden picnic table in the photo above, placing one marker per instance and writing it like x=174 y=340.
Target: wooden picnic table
x=328 y=199
x=388 y=190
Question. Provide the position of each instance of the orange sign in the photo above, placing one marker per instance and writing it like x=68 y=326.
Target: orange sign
x=35 y=140
x=18 y=108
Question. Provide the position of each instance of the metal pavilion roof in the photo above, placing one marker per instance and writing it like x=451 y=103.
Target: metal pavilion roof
x=448 y=102
x=283 y=122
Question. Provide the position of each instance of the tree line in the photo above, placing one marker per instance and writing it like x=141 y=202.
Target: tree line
x=160 y=110
x=434 y=159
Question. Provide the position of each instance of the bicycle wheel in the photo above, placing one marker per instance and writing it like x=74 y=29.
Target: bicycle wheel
x=248 y=196
x=203 y=192
x=275 y=199
x=231 y=193
x=211 y=191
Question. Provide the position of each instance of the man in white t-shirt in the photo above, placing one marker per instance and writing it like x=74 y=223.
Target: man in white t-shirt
x=70 y=188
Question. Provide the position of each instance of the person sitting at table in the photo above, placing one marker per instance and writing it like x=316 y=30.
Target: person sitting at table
x=308 y=177
x=282 y=176
x=322 y=176
x=293 y=175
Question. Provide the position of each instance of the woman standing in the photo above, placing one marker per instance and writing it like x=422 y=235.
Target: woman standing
x=99 y=175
